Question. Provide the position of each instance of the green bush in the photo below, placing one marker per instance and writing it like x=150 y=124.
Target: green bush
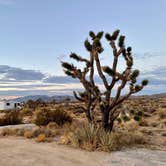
x=135 y=112
x=137 y=118
x=43 y=116
x=11 y=118
x=125 y=118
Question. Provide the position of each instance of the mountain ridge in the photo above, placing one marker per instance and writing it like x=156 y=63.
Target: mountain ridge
x=66 y=97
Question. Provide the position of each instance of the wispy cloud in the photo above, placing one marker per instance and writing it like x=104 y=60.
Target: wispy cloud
x=148 y=55
x=21 y=82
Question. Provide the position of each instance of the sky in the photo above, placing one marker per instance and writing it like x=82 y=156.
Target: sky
x=35 y=35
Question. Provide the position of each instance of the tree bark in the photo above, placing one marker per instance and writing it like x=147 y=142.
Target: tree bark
x=105 y=120
x=88 y=115
x=111 y=125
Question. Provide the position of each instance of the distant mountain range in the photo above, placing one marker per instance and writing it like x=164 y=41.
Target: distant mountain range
x=62 y=98
x=157 y=95
x=43 y=97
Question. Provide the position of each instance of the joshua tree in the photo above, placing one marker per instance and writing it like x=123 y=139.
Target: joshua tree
x=93 y=96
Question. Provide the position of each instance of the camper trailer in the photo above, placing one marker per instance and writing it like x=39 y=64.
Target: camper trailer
x=9 y=105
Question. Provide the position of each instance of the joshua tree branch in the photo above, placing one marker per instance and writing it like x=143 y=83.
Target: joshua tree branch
x=92 y=70
x=78 y=98
x=98 y=65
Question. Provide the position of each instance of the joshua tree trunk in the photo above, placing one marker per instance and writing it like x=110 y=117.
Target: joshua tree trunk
x=105 y=120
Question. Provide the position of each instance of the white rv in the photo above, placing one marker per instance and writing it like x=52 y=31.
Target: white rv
x=9 y=105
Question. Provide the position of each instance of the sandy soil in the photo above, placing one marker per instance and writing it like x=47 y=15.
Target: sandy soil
x=23 y=152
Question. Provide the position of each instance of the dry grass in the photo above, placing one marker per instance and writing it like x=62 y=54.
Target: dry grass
x=8 y=131
x=28 y=134
x=41 y=138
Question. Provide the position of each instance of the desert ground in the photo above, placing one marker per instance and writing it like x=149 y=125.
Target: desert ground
x=21 y=144
x=24 y=152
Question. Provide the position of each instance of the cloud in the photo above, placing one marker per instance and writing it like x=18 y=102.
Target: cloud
x=148 y=55
x=159 y=72
x=20 y=82
x=60 y=79
x=13 y=73
x=156 y=76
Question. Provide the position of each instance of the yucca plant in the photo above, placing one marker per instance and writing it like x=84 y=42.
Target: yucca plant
x=87 y=137
x=106 y=141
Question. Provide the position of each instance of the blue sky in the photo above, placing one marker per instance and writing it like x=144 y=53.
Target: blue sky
x=37 y=34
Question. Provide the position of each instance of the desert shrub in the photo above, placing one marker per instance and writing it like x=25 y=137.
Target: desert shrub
x=66 y=138
x=163 y=134
x=125 y=118
x=106 y=141
x=91 y=137
x=20 y=132
x=28 y=134
x=11 y=118
x=162 y=113
x=44 y=130
x=131 y=111
x=41 y=138
x=52 y=125
x=95 y=138
x=131 y=125
x=8 y=131
x=140 y=113
x=27 y=111
x=143 y=122
x=154 y=124
x=119 y=120
x=12 y=132
x=86 y=137
x=137 y=118
x=33 y=104
x=126 y=139
x=44 y=116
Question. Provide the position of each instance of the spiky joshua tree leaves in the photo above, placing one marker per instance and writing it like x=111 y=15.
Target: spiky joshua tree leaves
x=93 y=96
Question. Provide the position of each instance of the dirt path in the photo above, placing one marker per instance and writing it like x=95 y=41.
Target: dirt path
x=22 y=152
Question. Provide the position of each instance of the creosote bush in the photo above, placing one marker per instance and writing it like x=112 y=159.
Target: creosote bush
x=44 y=116
x=11 y=118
